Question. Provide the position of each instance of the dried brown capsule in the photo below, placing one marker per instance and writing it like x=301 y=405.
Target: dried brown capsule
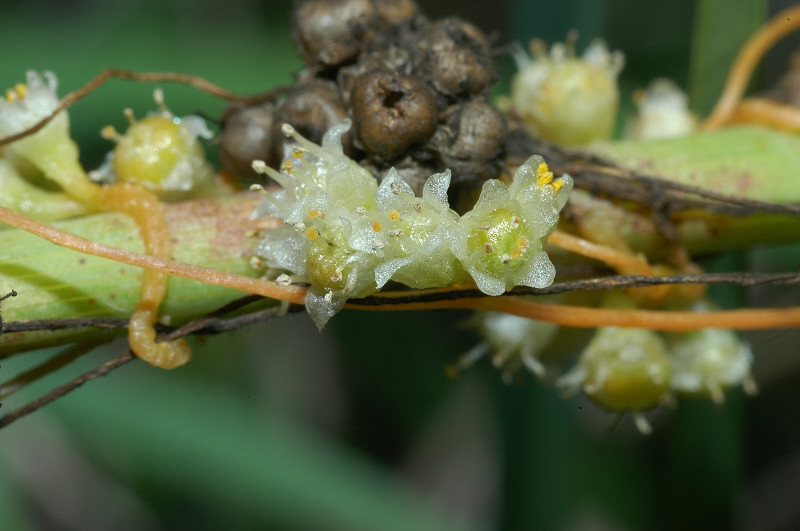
x=247 y=135
x=328 y=33
x=391 y=113
x=395 y=11
x=413 y=172
x=470 y=141
x=454 y=56
x=311 y=107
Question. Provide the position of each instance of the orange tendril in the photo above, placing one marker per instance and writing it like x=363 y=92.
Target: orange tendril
x=751 y=53
x=625 y=263
x=148 y=212
x=577 y=316
x=767 y=112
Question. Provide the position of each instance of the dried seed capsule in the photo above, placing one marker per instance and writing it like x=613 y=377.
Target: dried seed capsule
x=391 y=113
x=395 y=11
x=247 y=135
x=470 y=141
x=328 y=33
x=454 y=55
x=312 y=108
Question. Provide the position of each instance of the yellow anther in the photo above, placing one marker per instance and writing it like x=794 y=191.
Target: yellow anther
x=298 y=151
x=109 y=133
x=394 y=215
x=376 y=226
x=543 y=174
x=22 y=90
x=286 y=167
x=312 y=233
x=314 y=213
x=10 y=96
x=558 y=185
x=522 y=244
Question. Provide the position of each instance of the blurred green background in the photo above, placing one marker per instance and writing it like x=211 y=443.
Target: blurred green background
x=281 y=427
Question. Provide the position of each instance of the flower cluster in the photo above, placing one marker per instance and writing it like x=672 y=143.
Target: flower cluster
x=633 y=370
x=567 y=99
x=623 y=369
x=347 y=237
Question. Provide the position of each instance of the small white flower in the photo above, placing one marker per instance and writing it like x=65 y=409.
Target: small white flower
x=500 y=241
x=567 y=99
x=51 y=149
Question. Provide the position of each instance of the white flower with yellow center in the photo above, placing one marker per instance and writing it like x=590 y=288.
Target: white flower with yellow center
x=567 y=99
x=51 y=149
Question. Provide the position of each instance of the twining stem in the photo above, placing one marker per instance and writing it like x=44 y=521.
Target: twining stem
x=148 y=212
x=142 y=77
x=767 y=112
x=626 y=263
x=207 y=275
x=781 y=25
x=578 y=316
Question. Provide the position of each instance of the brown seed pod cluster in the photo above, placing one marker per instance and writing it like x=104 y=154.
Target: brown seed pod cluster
x=416 y=91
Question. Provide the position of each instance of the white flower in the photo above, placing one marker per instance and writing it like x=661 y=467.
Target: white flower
x=709 y=361
x=623 y=369
x=499 y=242
x=418 y=232
x=51 y=149
x=567 y=99
x=663 y=112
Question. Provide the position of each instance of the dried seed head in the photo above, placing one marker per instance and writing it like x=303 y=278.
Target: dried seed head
x=247 y=135
x=454 y=56
x=395 y=11
x=312 y=107
x=471 y=140
x=328 y=33
x=391 y=113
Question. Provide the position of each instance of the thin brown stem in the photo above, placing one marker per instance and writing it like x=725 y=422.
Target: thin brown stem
x=143 y=77
x=68 y=387
x=48 y=367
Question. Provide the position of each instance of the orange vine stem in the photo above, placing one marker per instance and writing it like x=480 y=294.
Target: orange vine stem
x=577 y=316
x=767 y=112
x=781 y=25
x=623 y=262
x=207 y=275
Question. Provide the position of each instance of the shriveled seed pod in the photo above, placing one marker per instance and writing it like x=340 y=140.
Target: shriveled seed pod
x=395 y=11
x=247 y=135
x=454 y=56
x=328 y=33
x=470 y=140
x=391 y=113
x=312 y=108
